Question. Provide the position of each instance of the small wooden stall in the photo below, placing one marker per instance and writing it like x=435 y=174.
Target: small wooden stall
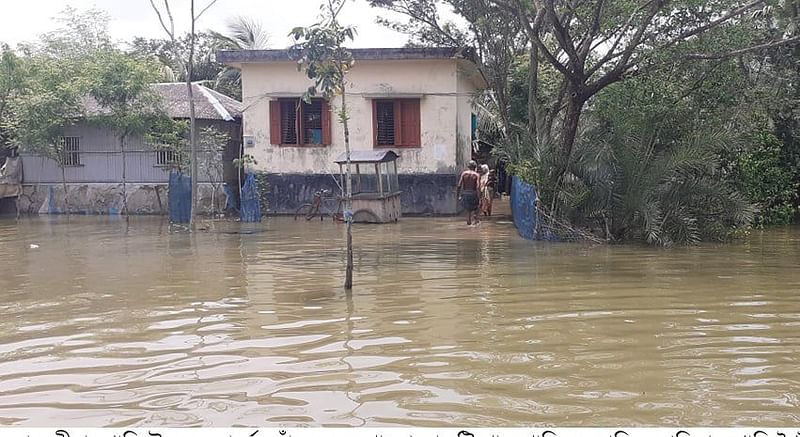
x=376 y=189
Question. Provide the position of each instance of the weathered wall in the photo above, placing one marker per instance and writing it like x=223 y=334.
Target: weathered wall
x=442 y=112
x=101 y=198
x=466 y=86
x=431 y=194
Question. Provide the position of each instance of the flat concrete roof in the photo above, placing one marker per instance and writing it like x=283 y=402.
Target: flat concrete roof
x=375 y=54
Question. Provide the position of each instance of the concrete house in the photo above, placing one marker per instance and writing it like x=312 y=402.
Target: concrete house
x=94 y=161
x=416 y=102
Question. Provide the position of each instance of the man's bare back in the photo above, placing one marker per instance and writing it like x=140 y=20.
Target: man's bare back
x=469 y=180
x=467 y=190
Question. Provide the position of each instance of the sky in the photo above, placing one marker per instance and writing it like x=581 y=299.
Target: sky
x=25 y=20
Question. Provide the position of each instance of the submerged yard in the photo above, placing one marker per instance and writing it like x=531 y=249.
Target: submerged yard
x=108 y=323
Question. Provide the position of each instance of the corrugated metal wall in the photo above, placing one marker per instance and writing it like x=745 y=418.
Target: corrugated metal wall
x=101 y=159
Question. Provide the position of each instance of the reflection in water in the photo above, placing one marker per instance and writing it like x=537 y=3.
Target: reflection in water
x=108 y=323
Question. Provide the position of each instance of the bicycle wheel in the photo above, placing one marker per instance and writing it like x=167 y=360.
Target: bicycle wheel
x=305 y=211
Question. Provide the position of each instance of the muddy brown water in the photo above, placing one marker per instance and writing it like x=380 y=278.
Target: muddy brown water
x=108 y=324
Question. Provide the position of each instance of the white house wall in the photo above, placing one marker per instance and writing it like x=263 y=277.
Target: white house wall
x=441 y=106
x=466 y=90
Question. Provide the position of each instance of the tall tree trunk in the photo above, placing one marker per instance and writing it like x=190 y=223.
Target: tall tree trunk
x=64 y=185
x=348 y=198
x=568 y=134
x=124 y=175
x=501 y=94
x=192 y=121
x=534 y=119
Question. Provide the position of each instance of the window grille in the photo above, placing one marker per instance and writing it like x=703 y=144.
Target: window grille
x=70 y=151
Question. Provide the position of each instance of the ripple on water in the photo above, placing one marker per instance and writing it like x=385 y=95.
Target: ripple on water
x=142 y=326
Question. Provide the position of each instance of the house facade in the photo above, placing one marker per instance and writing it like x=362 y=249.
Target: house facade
x=416 y=102
x=95 y=163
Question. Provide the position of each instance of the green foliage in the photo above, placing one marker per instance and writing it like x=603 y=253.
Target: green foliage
x=13 y=79
x=654 y=172
x=242 y=33
x=262 y=183
x=56 y=79
x=662 y=189
x=320 y=51
x=168 y=135
x=245 y=161
x=49 y=102
x=122 y=86
x=211 y=145
x=205 y=67
x=761 y=177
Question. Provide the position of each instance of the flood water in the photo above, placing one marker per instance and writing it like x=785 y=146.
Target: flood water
x=108 y=324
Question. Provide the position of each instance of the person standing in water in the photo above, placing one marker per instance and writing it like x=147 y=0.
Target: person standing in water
x=467 y=191
x=485 y=191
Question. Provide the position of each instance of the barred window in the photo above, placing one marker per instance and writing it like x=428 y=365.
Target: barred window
x=384 y=123
x=70 y=150
x=166 y=157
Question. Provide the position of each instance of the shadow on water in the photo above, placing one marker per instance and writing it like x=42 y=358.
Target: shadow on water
x=108 y=322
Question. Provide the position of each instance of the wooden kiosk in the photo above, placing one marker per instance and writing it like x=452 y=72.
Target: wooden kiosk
x=376 y=190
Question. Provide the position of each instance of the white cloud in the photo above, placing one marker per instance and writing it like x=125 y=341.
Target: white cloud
x=25 y=20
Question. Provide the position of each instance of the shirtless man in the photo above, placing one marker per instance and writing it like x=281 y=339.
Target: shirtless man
x=467 y=191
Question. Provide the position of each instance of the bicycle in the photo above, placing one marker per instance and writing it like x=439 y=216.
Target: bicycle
x=321 y=205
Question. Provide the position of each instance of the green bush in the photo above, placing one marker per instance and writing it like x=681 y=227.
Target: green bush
x=760 y=175
x=263 y=191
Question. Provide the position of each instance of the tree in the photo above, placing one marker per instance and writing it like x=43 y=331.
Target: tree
x=212 y=143
x=762 y=177
x=242 y=34
x=49 y=99
x=320 y=51
x=493 y=31
x=53 y=80
x=122 y=86
x=13 y=78
x=593 y=45
x=49 y=103
x=187 y=66
x=206 y=68
x=650 y=165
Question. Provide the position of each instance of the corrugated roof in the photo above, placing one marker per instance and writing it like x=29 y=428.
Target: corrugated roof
x=357 y=156
x=208 y=104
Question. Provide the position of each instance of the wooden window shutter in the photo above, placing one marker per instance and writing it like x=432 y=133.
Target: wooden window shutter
x=410 y=123
x=374 y=122
x=326 y=123
x=275 y=122
x=299 y=132
x=398 y=123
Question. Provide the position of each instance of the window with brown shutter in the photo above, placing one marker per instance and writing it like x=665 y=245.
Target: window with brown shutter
x=396 y=123
x=294 y=122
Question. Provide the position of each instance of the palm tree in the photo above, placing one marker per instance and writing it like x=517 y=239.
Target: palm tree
x=644 y=182
x=242 y=34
